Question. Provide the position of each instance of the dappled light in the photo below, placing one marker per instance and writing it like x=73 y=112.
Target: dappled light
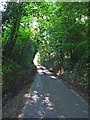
x=42 y=70
x=34 y=100
x=45 y=46
x=53 y=77
x=62 y=116
x=43 y=103
x=27 y=95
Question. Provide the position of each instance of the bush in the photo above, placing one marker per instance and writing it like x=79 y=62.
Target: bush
x=14 y=74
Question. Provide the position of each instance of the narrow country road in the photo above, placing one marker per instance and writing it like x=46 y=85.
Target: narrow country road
x=49 y=97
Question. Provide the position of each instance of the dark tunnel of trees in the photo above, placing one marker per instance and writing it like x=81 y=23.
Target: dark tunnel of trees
x=58 y=31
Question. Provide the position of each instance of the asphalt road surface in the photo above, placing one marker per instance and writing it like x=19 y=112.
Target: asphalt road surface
x=49 y=97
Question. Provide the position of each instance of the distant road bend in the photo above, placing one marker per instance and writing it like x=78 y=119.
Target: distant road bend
x=49 y=97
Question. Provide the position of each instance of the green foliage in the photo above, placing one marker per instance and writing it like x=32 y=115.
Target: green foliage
x=58 y=31
x=67 y=41
x=18 y=48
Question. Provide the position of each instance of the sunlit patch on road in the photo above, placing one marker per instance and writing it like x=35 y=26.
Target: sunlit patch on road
x=19 y=116
x=27 y=95
x=48 y=102
x=35 y=98
x=35 y=91
x=40 y=71
x=61 y=116
x=53 y=77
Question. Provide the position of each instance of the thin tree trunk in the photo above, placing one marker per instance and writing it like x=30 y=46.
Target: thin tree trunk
x=12 y=39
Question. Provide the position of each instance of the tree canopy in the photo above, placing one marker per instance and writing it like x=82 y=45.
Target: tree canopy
x=57 y=30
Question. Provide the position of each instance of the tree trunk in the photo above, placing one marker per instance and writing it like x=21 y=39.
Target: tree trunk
x=12 y=39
